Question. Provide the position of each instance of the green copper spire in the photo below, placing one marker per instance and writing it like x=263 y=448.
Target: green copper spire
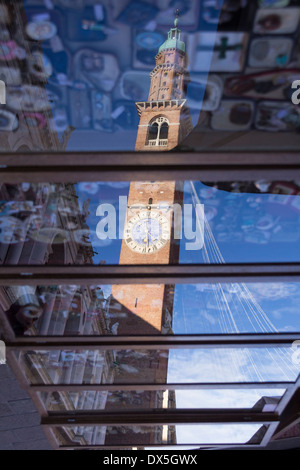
x=174 y=38
x=176 y=19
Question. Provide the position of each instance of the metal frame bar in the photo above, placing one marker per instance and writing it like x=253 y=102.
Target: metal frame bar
x=281 y=409
x=165 y=417
x=288 y=395
x=163 y=446
x=156 y=387
x=130 y=166
x=149 y=274
x=268 y=434
x=284 y=444
x=164 y=342
x=284 y=405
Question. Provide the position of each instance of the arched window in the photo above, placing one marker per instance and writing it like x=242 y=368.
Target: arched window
x=158 y=132
x=153 y=131
x=164 y=131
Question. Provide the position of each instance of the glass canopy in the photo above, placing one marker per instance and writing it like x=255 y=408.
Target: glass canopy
x=150 y=220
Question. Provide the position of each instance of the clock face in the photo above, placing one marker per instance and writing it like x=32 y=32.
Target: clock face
x=147 y=232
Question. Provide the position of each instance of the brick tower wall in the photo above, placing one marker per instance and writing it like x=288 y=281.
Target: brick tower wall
x=172 y=113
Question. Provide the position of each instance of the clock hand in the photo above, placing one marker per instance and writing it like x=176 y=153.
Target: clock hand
x=153 y=238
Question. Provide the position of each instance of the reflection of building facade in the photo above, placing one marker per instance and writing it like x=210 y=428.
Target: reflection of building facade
x=26 y=120
x=44 y=225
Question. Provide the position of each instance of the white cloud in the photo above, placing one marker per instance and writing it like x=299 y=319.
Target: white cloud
x=225 y=398
x=215 y=433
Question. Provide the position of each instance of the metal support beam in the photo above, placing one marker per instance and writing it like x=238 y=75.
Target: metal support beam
x=268 y=434
x=290 y=416
x=161 y=342
x=155 y=417
x=151 y=166
x=157 y=387
x=149 y=274
x=149 y=447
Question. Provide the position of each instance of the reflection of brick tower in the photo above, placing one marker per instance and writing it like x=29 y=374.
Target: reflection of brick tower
x=149 y=227
x=165 y=118
x=149 y=230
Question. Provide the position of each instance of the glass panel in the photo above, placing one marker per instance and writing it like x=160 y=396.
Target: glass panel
x=129 y=366
x=131 y=223
x=151 y=435
x=73 y=74
x=108 y=76
x=108 y=400
x=139 y=400
x=152 y=309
